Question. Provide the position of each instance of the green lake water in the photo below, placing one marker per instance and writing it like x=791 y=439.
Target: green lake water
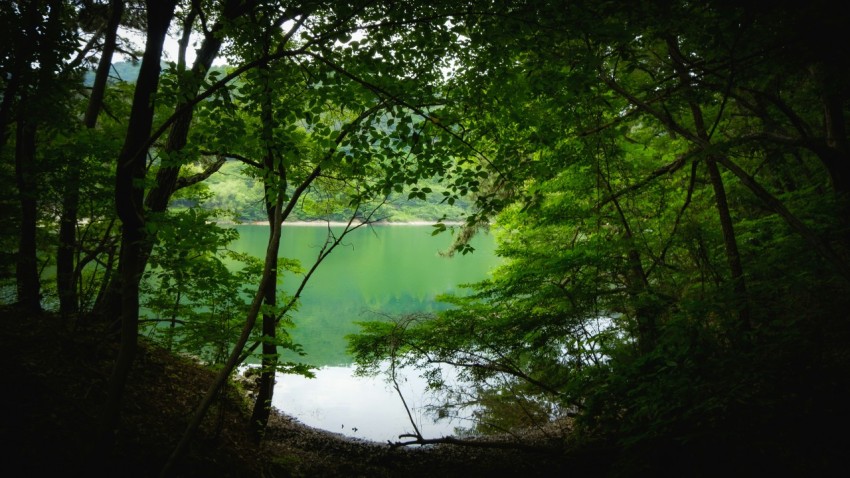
x=381 y=270
x=377 y=271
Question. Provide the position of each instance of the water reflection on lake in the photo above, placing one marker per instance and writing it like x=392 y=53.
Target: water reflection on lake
x=379 y=271
x=361 y=407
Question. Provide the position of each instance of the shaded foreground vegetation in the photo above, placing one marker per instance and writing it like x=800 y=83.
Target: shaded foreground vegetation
x=679 y=171
x=56 y=382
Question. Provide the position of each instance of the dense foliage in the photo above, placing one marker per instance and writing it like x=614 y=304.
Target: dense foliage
x=669 y=195
x=668 y=181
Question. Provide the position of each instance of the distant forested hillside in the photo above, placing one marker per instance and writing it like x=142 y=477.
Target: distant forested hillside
x=241 y=197
x=121 y=71
x=128 y=71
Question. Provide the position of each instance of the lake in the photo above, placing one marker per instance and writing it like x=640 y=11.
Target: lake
x=386 y=269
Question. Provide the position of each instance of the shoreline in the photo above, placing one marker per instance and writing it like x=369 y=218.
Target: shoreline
x=342 y=223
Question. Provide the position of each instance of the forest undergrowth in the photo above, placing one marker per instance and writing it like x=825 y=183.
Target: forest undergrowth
x=55 y=385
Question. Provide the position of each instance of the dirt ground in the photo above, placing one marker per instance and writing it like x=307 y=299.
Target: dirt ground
x=55 y=387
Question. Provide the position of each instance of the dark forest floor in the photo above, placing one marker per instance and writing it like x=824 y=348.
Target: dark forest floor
x=55 y=385
x=54 y=388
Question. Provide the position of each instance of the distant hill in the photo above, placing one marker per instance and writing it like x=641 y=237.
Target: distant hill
x=234 y=192
x=121 y=71
x=243 y=195
x=128 y=71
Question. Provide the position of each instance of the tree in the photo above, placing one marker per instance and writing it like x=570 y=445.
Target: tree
x=653 y=170
x=66 y=278
x=143 y=188
x=651 y=201
x=335 y=131
x=129 y=197
x=36 y=78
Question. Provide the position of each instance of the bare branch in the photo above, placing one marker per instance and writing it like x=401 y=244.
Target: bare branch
x=196 y=178
x=666 y=169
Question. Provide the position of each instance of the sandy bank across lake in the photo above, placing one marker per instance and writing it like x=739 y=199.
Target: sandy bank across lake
x=343 y=224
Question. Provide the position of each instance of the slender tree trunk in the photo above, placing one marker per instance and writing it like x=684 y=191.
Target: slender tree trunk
x=262 y=405
x=823 y=248
x=66 y=279
x=95 y=104
x=25 y=42
x=837 y=156
x=26 y=266
x=730 y=242
x=269 y=267
x=28 y=285
x=265 y=392
x=637 y=285
x=166 y=178
x=129 y=196
x=9 y=96
x=45 y=33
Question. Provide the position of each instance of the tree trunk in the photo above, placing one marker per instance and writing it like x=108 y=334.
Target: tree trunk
x=129 y=195
x=836 y=157
x=9 y=94
x=262 y=405
x=24 y=41
x=166 y=178
x=66 y=279
x=28 y=285
x=45 y=34
x=637 y=285
x=730 y=242
x=269 y=268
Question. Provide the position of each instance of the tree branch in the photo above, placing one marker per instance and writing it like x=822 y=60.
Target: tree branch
x=775 y=205
x=196 y=178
